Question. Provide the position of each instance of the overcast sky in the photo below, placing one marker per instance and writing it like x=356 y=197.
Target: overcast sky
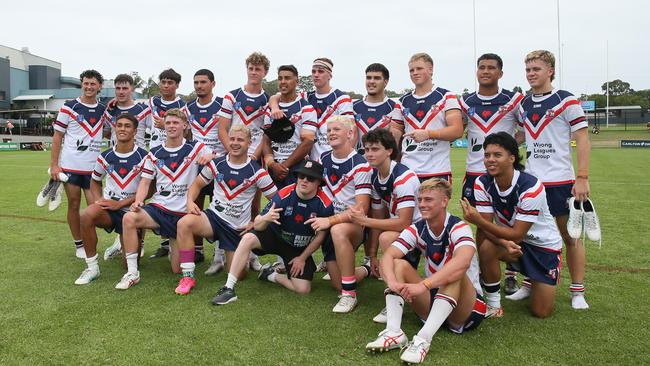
x=188 y=35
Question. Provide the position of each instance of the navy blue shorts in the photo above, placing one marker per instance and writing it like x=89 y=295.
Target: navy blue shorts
x=272 y=243
x=221 y=231
x=446 y=177
x=166 y=221
x=539 y=264
x=468 y=188
x=329 y=254
x=116 y=220
x=557 y=198
x=473 y=320
x=79 y=180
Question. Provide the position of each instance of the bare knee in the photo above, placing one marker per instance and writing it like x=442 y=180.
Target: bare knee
x=541 y=311
x=302 y=290
x=129 y=220
x=387 y=238
x=401 y=267
x=338 y=234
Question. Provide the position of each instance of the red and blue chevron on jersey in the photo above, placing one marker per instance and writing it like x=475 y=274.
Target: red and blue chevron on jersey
x=549 y=121
x=525 y=200
x=204 y=123
x=137 y=110
x=248 y=109
x=439 y=248
x=174 y=170
x=303 y=116
x=235 y=187
x=295 y=211
x=346 y=178
x=158 y=107
x=430 y=157
x=122 y=172
x=487 y=115
x=398 y=190
x=369 y=116
x=82 y=126
x=327 y=105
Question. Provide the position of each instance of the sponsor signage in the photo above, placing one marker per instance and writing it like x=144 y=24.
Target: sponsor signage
x=8 y=146
x=588 y=105
x=636 y=143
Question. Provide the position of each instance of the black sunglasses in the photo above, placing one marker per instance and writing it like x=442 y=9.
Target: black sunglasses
x=309 y=179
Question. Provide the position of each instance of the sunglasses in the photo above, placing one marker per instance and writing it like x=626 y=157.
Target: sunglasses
x=309 y=179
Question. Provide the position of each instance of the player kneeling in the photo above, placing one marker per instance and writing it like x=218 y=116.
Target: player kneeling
x=449 y=294
x=280 y=230
x=121 y=166
x=525 y=233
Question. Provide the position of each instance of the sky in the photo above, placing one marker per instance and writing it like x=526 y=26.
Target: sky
x=598 y=39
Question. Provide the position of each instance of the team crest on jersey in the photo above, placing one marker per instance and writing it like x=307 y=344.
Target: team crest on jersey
x=549 y=113
x=294 y=118
x=312 y=215
x=553 y=273
x=357 y=117
x=80 y=117
x=471 y=111
x=345 y=179
x=160 y=163
x=503 y=109
x=237 y=105
x=247 y=183
x=110 y=169
x=192 y=117
x=219 y=177
x=288 y=211
x=406 y=111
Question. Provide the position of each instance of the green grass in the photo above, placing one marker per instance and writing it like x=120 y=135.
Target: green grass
x=45 y=319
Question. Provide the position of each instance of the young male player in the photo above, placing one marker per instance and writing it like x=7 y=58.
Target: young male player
x=121 y=166
x=204 y=122
x=174 y=165
x=551 y=118
x=394 y=195
x=488 y=110
x=450 y=292
x=284 y=152
x=523 y=232
x=430 y=119
x=347 y=178
x=280 y=230
x=237 y=179
x=75 y=146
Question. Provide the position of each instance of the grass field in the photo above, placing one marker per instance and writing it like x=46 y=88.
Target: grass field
x=45 y=319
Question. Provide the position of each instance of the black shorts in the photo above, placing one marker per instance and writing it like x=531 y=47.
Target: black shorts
x=79 y=180
x=272 y=243
x=557 y=198
x=116 y=220
x=468 y=188
x=166 y=221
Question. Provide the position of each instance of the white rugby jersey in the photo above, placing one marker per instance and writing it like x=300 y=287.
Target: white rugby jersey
x=525 y=200
x=346 y=178
x=82 y=126
x=439 y=249
x=122 y=172
x=430 y=157
x=157 y=107
x=235 y=187
x=204 y=123
x=174 y=170
x=241 y=107
x=327 y=105
x=549 y=122
x=398 y=190
x=369 y=116
x=137 y=110
x=303 y=116
x=487 y=115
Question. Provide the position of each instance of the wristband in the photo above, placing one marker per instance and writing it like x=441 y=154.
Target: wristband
x=583 y=177
x=427 y=283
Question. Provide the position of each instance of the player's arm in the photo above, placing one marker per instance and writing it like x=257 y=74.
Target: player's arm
x=55 y=169
x=141 y=194
x=451 y=271
x=307 y=139
x=387 y=264
x=583 y=145
x=316 y=242
x=516 y=233
x=96 y=190
x=274 y=105
x=397 y=130
x=451 y=132
x=224 y=127
x=271 y=214
x=193 y=194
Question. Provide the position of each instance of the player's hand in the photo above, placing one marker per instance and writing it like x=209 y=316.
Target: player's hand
x=276 y=113
x=279 y=171
x=319 y=223
x=418 y=135
x=205 y=158
x=111 y=103
x=374 y=267
x=247 y=228
x=396 y=287
x=193 y=208
x=470 y=214
x=297 y=266
x=357 y=215
x=54 y=172
x=136 y=206
x=273 y=216
x=413 y=290
x=513 y=249
x=110 y=205
x=158 y=122
x=580 y=189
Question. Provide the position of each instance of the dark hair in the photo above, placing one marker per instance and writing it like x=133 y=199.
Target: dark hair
x=507 y=142
x=491 y=56
x=170 y=74
x=123 y=78
x=204 y=72
x=289 y=68
x=377 y=67
x=129 y=117
x=385 y=138
x=90 y=74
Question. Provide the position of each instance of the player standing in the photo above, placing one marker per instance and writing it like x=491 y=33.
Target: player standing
x=75 y=146
x=551 y=118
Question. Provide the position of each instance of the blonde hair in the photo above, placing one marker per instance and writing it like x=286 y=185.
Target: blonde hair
x=422 y=56
x=346 y=121
x=175 y=112
x=436 y=184
x=543 y=55
x=258 y=58
x=241 y=128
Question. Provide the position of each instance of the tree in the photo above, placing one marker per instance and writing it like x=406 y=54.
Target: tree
x=270 y=87
x=518 y=89
x=138 y=82
x=392 y=94
x=354 y=95
x=617 y=87
x=305 y=83
x=465 y=92
x=151 y=88
x=188 y=98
